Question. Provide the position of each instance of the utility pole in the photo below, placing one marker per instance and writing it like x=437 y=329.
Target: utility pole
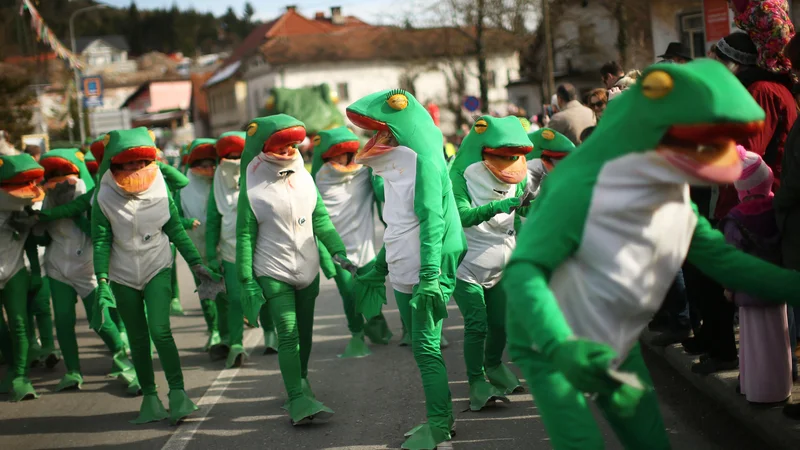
x=75 y=70
x=548 y=43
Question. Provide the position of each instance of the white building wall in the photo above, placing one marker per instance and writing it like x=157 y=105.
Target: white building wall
x=230 y=118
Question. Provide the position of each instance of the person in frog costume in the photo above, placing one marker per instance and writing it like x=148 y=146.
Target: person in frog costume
x=349 y=196
x=19 y=175
x=192 y=203
x=68 y=261
x=423 y=244
x=489 y=180
x=133 y=221
x=280 y=217
x=549 y=148
x=603 y=242
x=220 y=247
x=91 y=163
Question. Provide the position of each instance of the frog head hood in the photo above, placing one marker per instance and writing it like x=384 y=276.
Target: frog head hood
x=337 y=147
x=276 y=137
x=97 y=149
x=202 y=149
x=129 y=146
x=229 y=147
x=550 y=146
x=19 y=178
x=399 y=120
x=498 y=143
x=184 y=155
x=91 y=163
x=690 y=115
x=65 y=165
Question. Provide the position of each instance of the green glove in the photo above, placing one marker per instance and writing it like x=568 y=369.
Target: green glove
x=507 y=205
x=585 y=364
x=370 y=292
x=105 y=300
x=625 y=400
x=35 y=283
x=428 y=295
x=252 y=300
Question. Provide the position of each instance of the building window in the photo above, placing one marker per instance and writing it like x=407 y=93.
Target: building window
x=693 y=35
x=341 y=90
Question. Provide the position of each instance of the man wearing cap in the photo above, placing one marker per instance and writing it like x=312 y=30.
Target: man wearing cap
x=676 y=53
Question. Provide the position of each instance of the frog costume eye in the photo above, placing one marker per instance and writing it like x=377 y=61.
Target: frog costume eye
x=80 y=156
x=106 y=139
x=152 y=135
x=252 y=128
x=657 y=84
x=397 y=100
x=480 y=126
x=317 y=140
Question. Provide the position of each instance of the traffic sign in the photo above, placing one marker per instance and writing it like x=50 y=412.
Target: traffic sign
x=472 y=103
x=92 y=91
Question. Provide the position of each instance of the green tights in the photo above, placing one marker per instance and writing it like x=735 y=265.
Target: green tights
x=131 y=304
x=229 y=307
x=344 y=283
x=566 y=414
x=484 y=312
x=14 y=336
x=64 y=299
x=39 y=313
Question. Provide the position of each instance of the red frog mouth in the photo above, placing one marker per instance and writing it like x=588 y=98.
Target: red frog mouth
x=282 y=145
x=382 y=142
x=507 y=164
x=25 y=185
x=342 y=156
x=707 y=151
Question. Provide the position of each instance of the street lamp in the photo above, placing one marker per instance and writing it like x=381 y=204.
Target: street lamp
x=77 y=75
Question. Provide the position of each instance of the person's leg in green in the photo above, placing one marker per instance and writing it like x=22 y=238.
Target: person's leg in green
x=209 y=308
x=64 y=299
x=44 y=323
x=404 y=307
x=35 y=356
x=472 y=304
x=175 y=307
x=293 y=313
x=14 y=299
x=498 y=373
x=356 y=347
x=270 y=334
x=233 y=316
x=123 y=332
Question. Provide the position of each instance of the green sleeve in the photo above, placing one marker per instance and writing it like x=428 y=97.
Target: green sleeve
x=72 y=209
x=738 y=271
x=326 y=261
x=428 y=206
x=380 y=262
x=177 y=234
x=101 y=240
x=173 y=177
x=470 y=216
x=324 y=229
x=246 y=235
x=32 y=250
x=186 y=222
x=213 y=226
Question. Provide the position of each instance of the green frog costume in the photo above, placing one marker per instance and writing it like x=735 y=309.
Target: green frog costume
x=349 y=196
x=603 y=242
x=549 y=148
x=489 y=179
x=281 y=216
x=68 y=263
x=133 y=221
x=19 y=175
x=423 y=244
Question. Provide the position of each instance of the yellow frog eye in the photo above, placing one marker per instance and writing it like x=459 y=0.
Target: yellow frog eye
x=480 y=126
x=316 y=141
x=548 y=134
x=657 y=84
x=80 y=156
x=252 y=128
x=270 y=102
x=398 y=102
x=1 y=163
x=152 y=135
x=106 y=139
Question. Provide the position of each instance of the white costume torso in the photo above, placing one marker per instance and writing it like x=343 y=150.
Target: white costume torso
x=349 y=200
x=489 y=244
x=37 y=230
x=194 y=201
x=398 y=168
x=283 y=199
x=637 y=234
x=13 y=249
x=140 y=248
x=68 y=258
x=226 y=195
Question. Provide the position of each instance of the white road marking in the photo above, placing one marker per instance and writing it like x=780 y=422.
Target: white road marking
x=181 y=438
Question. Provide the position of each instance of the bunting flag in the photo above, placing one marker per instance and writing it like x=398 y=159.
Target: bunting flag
x=43 y=34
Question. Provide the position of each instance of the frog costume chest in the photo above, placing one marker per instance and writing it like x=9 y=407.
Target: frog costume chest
x=283 y=199
x=13 y=245
x=636 y=236
x=490 y=243
x=140 y=249
x=226 y=195
x=194 y=201
x=348 y=198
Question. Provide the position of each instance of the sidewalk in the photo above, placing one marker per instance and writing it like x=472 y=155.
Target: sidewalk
x=768 y=422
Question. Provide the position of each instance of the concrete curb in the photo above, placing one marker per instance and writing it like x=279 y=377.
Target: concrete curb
x=768 y=422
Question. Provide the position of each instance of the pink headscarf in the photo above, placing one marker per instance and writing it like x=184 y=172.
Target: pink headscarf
x=770 y=27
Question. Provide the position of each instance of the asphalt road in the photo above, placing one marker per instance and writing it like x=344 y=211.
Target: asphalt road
x=376 y=399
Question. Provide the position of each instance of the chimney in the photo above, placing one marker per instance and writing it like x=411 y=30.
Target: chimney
x=336 y=15
x=291 y=8
x=320 y=15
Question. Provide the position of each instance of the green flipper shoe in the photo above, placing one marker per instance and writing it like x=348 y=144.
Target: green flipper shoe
x=152 y=410
x=213 y=339
x=502 y=378
x=180 y=406
x=425 y=437
x=71 y=380
x=271 y=342
x=305 y=410
x=35 y=355
x=483 y=394
x=236 y=357
x=120 y=363
x=356 y=347
x=219 y=351
x=175 y=308
x=22 y=389
x=134 y=388
x=377 y=330
x=306 y=391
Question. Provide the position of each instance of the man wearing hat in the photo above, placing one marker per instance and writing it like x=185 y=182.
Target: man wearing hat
x=676 y=53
